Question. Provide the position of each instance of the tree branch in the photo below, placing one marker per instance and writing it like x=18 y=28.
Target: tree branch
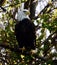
x=46 y=42
x=26 y=4
x=33 y=4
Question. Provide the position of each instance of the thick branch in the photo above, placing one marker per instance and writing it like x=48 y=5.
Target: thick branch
x=33 y=4
x=26 y=4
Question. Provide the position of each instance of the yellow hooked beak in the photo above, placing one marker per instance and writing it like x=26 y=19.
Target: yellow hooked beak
x=26 y=12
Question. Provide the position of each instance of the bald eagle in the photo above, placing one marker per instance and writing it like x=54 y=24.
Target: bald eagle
x=25 y=31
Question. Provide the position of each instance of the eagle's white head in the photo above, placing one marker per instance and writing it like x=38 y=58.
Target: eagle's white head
x=22 y=14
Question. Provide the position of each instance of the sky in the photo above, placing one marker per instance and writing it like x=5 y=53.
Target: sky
x=41 y=5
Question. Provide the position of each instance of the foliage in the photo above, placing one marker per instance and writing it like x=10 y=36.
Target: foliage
x=46 y=45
